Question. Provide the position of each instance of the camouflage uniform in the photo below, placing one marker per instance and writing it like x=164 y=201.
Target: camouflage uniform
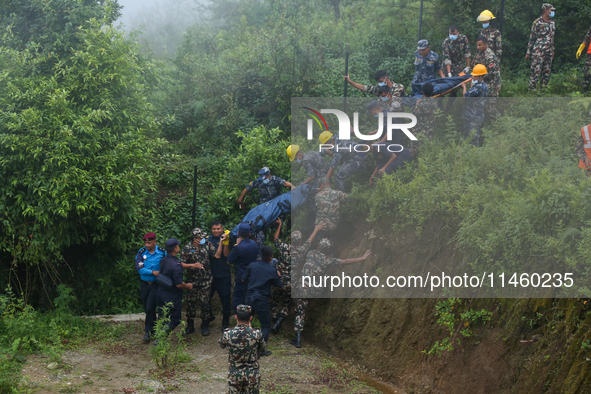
x=425 y=113
x=316 y=264
x=328 y=207
x=245 y=344
x=426 y=67
x=587 y=41
x=455 y=53
x=579 y=148
x=348 y=161
x=397 y=90
x=541 y=49
x=493 y=37
x=201 y=278
x=298 y=257
x=315 y=166
x=492 y=79
x=474 y=111
x=268 y=191
x=282 y=294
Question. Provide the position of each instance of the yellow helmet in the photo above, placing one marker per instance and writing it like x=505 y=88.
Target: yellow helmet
x=479 y=70
x=485 y=15
x=292 y=150
x=325 y=136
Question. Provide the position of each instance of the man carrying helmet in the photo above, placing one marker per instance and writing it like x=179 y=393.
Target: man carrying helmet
x=474 y=107
x=344 y=157
x=541 y=47
x=194 y=258
x=270 y=186
x=493 y=36
x=586 y=41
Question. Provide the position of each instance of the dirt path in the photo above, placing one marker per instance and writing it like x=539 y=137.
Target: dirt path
x=125 y=366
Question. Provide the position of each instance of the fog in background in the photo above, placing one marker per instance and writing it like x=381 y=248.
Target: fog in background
x=162 y=22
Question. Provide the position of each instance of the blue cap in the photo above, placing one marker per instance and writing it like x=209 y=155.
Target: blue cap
x=244 y=229
x=264 y=171
x=171 y=243
x=423 y=44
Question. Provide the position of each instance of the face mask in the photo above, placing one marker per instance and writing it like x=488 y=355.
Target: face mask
x=485 y=25
x=552 y=14
x=377 y=115
x=453 y=38
x=474 y=80
x=266 y=181
x=384 y=98
x=298 y=161
x=202 y=242
x=381 y=84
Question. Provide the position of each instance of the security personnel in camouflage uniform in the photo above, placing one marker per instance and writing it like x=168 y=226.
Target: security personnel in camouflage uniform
x=583 y=149
x=586 y=41
x=396 y=89
x=195 y=260
x=486 y=57
x=425 y=111
x=328 y=205
x=244 y=345
x=270 y=186
x=317 y=262
x=541 y=47
x=493 y=36
x=427 y=63
x=456 y=51
x=344 y=157
x=474 y=107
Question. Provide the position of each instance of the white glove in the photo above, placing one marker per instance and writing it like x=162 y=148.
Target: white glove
x=466 y=70
x=449 y=75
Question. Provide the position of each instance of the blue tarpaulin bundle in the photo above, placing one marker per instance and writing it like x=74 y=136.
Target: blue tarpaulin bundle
x=440 y=85
x=266 y=213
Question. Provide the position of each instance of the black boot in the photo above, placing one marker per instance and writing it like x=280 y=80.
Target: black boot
x=277 y=326
x=190 y=329
x=225 y=322
x=297 y=341
x=205 y=328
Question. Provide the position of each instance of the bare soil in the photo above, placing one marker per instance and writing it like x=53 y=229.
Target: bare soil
x=125 y=366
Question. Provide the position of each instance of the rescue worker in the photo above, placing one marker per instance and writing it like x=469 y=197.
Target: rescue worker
x=474 y=107
x=425 y=111
x=328 y=205
x=456 y=50
x=541 y=48
x=344 y=157
x=195 y=259
x=388 y=158
x=244 y=252
x=586 y=41
x=244 y=346
x=427 y=63
x=147 y=264
x=396 y=89
x=486 y=57
x=220 y=271
x=493 y=36
x=270 y=186
x=583 y=149
x=317 y=262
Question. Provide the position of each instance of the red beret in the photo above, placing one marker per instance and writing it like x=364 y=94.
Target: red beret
x=149 y=237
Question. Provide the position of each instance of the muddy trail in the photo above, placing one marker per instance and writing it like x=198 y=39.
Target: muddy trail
x=124 y=365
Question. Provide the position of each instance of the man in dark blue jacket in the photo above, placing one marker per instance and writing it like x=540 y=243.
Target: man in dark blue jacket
x=261 y=275
x=220 y=270
x=244 y=252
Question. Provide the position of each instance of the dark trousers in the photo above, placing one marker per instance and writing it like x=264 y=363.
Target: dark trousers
x=239 y=291
x=260 y=307
x=174 y=312
x=148 y=298
x=401 y=158
x=223 y=288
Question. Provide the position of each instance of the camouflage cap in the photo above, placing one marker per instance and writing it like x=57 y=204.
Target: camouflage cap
x=296 y=237
x=547 y=6
x=244 y=308
x=324 y=179
x=198 y=233
x=423 y=44
x=324 y=244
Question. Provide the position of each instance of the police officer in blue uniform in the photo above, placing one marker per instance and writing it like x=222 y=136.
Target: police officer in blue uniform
x=171 y=267
x=260 y=276
x=244 y=252
x=270 y=186
x=473 y=115
x=147 y=263
x=427 y=63
x=220 y=270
